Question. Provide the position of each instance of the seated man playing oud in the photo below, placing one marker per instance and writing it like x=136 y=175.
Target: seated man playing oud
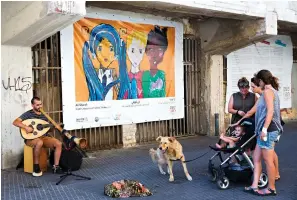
x=43 y=141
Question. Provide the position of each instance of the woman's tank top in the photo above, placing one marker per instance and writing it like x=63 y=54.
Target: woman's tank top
x=261 y=113
x=239 y=103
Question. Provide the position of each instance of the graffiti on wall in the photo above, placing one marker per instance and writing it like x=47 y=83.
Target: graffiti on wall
x=117 y=60
x=19 y=83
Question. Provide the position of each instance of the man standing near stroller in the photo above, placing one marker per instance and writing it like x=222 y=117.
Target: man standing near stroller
x=268 y=128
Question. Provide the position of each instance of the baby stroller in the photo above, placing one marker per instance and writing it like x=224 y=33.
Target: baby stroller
x=243 y=169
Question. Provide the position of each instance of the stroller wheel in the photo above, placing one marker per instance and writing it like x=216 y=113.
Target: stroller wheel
x=263 y=181
x=223 y=183
x=214 y=174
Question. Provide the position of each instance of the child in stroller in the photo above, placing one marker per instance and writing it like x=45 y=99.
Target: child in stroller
x=230 y=141
x=243 y=169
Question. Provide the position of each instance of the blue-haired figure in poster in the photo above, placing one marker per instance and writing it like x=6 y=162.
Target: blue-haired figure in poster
x=106 y=46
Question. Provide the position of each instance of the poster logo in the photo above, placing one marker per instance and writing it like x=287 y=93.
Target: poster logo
x=172 y=109
x=167 y=101
x=135 y=103
x=117 y=117
x=82 y=119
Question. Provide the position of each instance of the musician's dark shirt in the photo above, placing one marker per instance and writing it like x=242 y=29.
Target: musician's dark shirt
x=30 y=114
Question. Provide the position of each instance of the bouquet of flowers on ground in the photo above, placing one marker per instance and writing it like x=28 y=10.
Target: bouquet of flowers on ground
x=126 y=188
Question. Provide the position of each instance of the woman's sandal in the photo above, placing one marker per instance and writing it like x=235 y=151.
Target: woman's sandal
x=271 y=192
x=251 y=190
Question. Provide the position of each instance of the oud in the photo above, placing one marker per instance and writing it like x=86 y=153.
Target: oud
x=39 y=126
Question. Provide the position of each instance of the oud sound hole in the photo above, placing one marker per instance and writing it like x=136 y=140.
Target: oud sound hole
x=32 y=123
x=39 y=127
x=35 y=133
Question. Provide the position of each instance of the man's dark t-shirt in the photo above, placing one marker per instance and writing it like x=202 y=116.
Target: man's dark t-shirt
x=30 y=114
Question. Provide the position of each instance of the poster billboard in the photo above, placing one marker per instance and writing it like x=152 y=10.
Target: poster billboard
x=121 y=71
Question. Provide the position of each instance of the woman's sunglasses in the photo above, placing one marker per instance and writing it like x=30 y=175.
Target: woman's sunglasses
x=243 y=85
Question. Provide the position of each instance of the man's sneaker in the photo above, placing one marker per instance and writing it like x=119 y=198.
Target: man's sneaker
x=36 y=170
x=37 y=173
x=57 y=169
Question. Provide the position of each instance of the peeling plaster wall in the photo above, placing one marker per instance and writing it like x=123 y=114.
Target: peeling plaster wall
x=217 y=93
x=205 y=105
x=16 y=93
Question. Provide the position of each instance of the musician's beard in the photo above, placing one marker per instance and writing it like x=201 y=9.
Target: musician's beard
x=36 y=109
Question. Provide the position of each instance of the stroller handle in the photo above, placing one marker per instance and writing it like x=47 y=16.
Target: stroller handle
x=246 y=123
x=241 y=124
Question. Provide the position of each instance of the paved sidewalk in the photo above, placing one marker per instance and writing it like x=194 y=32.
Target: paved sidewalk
x=135 y=163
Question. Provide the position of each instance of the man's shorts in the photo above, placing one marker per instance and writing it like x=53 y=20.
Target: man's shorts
x=272 y=138
x=48 y=142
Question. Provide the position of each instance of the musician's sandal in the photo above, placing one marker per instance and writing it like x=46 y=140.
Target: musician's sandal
x=57 y=169
x=36 y=170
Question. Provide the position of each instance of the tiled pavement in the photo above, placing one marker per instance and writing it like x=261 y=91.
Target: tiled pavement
x=135 y=163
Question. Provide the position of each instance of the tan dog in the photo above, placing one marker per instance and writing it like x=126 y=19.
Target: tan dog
x=172 y=150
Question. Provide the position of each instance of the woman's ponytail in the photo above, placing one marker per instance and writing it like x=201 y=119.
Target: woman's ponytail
x=268 y=78
x=274 y=82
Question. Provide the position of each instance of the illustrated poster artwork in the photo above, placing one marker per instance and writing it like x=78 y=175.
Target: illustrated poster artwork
x=117 y=60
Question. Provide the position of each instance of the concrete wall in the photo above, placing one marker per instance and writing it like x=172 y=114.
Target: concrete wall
x=16 y=93
x=222 y=36
x=27 y=23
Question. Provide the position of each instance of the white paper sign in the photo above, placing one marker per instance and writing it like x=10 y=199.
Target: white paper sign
x=274 y=54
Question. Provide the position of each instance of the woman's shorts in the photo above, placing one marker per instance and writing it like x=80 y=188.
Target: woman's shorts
x=272 y=138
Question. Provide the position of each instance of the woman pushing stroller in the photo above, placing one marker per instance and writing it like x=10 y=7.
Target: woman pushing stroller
x=268 y=129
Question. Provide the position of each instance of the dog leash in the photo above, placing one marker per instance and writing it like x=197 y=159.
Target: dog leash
x=194 y=158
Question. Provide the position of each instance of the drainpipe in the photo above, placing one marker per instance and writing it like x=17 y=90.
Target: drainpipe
x=217 y=124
